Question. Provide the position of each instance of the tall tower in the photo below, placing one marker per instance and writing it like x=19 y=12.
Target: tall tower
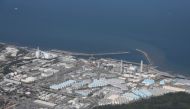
x=98 y=64
x=141 y=68
x=38 y=53
x=121 y=69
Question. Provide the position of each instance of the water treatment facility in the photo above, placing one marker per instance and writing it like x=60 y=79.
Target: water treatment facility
x=36 y=79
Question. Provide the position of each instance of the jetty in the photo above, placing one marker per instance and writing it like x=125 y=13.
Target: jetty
x=89 y=54
x=98 y=54
x=146 y=56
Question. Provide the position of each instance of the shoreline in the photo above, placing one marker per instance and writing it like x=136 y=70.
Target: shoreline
x=148 y=58
x=145 y=54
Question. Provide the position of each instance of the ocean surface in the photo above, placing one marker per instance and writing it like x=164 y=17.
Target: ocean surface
x=159 y=27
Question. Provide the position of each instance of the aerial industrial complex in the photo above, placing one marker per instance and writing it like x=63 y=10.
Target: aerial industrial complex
x=36 y=79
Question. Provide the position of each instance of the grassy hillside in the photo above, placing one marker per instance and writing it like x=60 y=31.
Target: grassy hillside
x=168 y=101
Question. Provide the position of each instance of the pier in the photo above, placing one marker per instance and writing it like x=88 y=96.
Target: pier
x=146 y=56
x=89 y=54
x=98 y=54
x=106 y=54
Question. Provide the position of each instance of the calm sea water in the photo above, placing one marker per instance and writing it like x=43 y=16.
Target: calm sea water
x=160 y=27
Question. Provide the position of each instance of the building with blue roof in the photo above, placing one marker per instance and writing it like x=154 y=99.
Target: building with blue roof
x=148 y=82
x=62 y=85
x=98 y=83
x=162 y=82
x=131 y=96
x=146 y=92
x=139 y=93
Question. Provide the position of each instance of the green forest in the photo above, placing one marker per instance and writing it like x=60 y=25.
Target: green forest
x=168 y=101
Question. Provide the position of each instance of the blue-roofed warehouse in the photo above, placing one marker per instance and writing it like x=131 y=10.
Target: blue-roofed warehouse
x=148 y=82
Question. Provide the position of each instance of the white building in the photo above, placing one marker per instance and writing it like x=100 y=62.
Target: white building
x=28 y=79
x=44 y=55
x=175 y=89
